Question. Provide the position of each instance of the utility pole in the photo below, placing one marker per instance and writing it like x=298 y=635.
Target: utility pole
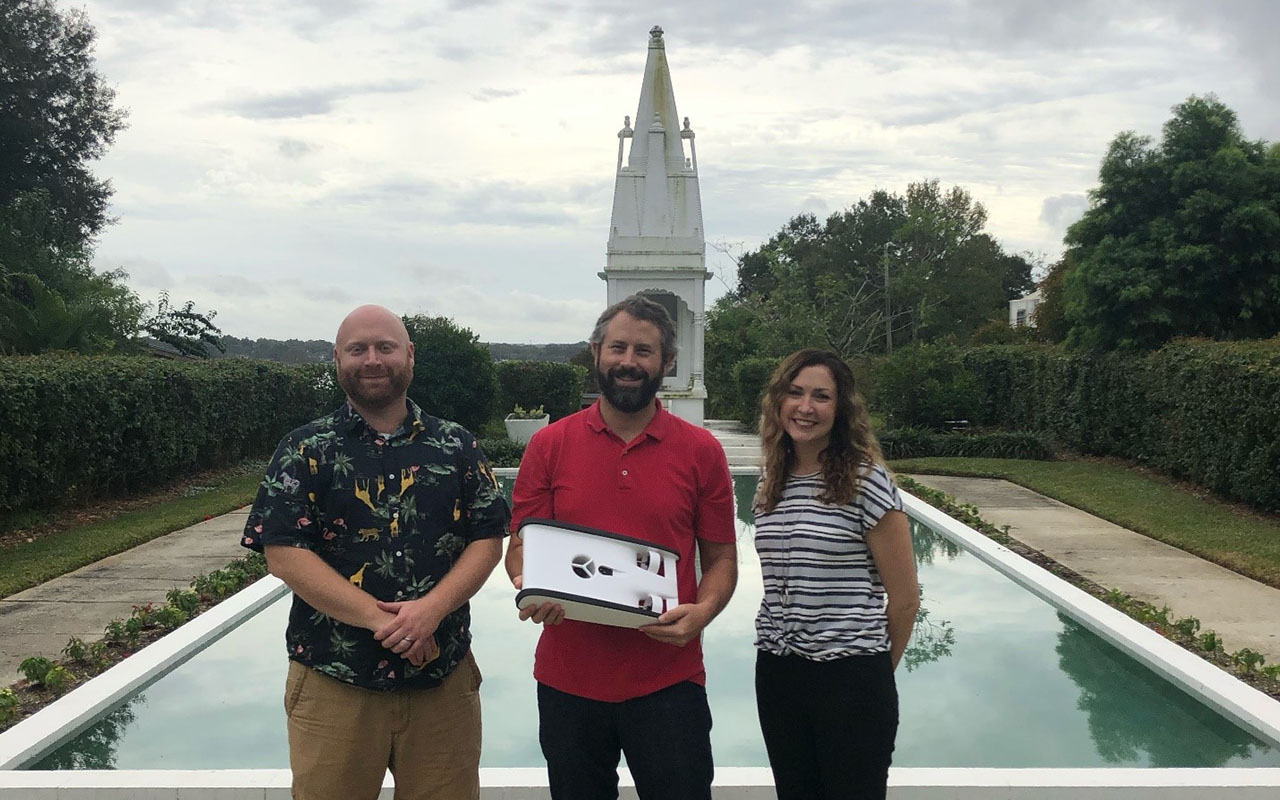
x=888 y=315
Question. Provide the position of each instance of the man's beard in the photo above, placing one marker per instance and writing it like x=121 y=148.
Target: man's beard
x=628 y=399
x=375 y=397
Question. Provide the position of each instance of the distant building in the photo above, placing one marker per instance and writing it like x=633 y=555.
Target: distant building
x=1022 y=310
x=656 y=242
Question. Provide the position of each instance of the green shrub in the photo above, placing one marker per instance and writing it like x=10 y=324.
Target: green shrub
x=118 y=633
x=90 y=654
x=184 y=600
x=8 y=706
x=58 y=679
x=170 y=617
x=77 y=649
x=502 y=452
x=555 y=386
x=926 y=385
x=88 y=426
x=230 y=579
x=921 y=443
x=35 y=668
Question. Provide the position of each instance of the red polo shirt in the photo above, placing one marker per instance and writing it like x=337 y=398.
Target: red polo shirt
x=669 y=486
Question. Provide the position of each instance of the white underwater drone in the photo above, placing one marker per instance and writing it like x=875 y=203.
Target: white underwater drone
x=596 y=576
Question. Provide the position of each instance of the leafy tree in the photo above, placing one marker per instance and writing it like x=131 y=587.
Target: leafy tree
x=186 y=330
x=583 y=358
x=56 y=115
x=65 y=270
x=889 y=270
x=35 y=319
x=1050 y=315
x=453 y=374
x=1180 y=239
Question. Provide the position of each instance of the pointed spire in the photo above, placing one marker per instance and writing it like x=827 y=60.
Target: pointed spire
x=656 y=194
x=658 y=103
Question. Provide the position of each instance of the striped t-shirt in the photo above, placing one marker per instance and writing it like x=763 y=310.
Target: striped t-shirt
x=823 y=598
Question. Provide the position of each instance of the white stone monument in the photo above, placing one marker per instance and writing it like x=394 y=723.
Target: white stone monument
x=656 y=243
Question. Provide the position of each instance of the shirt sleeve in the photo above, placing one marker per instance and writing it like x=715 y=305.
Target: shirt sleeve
x=284 y=511
x=878 y=496
x=486 y=508
x=531 y=497
x=714 y=514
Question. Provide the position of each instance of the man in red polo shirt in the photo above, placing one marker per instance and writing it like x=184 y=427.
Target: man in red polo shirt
x=629 y=466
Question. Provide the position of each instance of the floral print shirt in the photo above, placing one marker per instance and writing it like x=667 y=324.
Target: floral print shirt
x=391 y=513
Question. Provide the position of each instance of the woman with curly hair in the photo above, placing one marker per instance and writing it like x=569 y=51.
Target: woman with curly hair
x=840 y=591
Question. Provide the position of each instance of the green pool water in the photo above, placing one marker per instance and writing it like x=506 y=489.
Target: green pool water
x=994 y=677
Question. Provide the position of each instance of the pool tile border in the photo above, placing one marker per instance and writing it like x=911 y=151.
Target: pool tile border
x=754 y=783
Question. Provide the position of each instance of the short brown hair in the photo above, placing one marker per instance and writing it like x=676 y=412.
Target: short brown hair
x=645 y=310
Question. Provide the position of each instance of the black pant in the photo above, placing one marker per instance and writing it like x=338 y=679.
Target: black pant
x=829 y=726
x=665 y=735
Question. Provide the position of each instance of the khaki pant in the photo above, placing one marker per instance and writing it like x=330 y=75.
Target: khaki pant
x=343 y=738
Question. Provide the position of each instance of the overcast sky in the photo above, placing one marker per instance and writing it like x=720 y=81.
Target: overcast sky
x=286 y=160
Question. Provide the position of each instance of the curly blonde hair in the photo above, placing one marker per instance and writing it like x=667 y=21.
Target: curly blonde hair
x=849 y=455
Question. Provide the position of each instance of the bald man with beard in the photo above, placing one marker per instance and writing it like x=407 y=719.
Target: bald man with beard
x=384 y=521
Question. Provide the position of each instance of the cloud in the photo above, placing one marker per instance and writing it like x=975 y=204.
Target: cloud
x=294 y=148
x=311 y=102
x=145 y=275
x=486 y=94
x=223 y=286
x=1060 y=211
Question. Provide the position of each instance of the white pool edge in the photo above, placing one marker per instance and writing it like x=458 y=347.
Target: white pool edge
x=1224 y=693
x=754 y=783
x=71 y=713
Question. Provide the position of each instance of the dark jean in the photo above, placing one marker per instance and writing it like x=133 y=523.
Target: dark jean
x=829 y=726
x=666 y=737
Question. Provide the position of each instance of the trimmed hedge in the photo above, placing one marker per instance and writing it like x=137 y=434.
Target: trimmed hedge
x=917 y=443
x=926 y=385
x=1208 y=412
x=555 y=386
x=502 y=452
x=83 y=427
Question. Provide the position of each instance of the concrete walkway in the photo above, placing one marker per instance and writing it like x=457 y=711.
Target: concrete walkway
x=40 y=620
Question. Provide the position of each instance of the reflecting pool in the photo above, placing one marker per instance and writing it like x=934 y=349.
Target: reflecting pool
x=994 y=677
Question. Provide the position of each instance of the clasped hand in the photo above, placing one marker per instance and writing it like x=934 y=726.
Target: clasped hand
x=410 y=633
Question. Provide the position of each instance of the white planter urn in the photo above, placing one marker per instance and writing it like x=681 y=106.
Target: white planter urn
x=522 y=430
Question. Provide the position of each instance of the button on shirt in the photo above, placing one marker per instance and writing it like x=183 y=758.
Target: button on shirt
x=391 y=513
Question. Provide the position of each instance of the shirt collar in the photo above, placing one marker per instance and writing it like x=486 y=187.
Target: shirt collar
x=350 y=421
x=656 y=429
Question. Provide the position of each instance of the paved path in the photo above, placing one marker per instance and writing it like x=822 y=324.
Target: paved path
x=1241 y=610
x=40 y=620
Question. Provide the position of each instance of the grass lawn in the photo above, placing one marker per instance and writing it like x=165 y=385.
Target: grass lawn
x=24 y=564
x=1244 y=541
